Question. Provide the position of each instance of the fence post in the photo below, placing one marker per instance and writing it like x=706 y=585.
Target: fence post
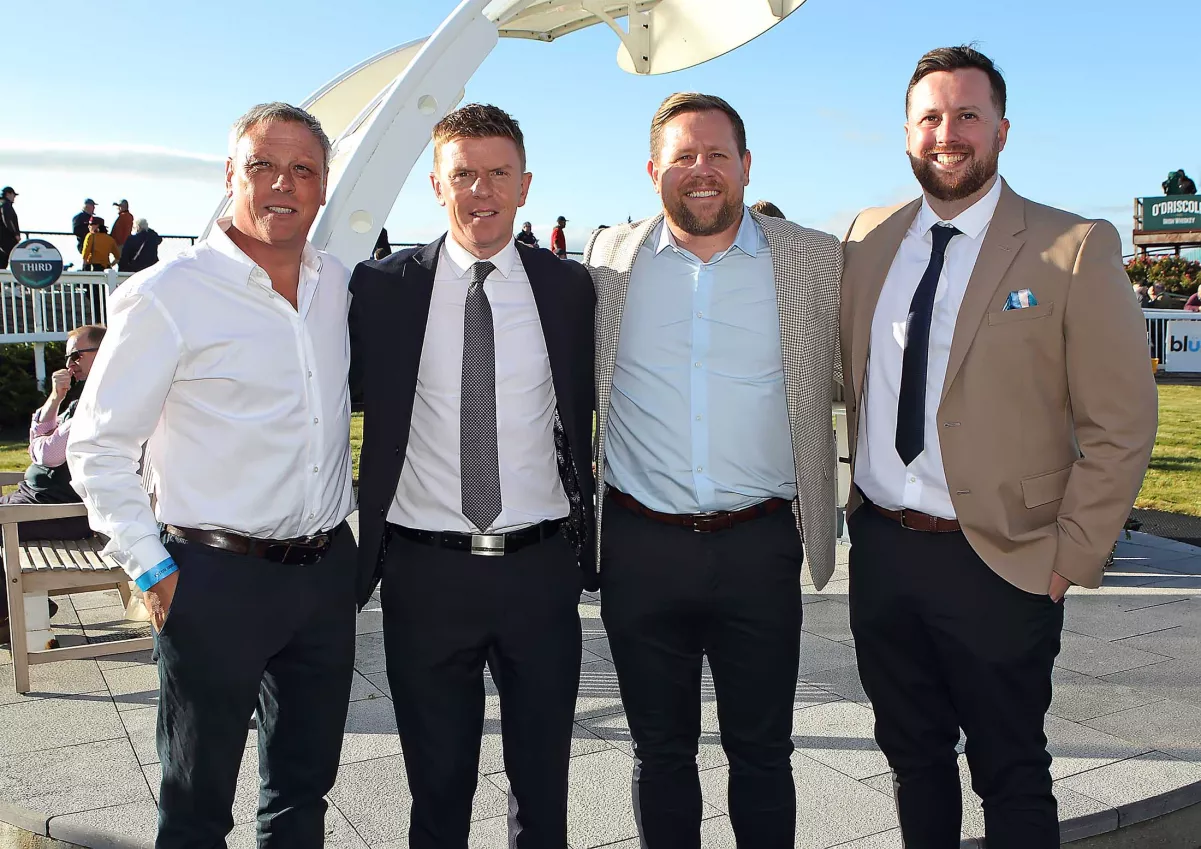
x=39 y=364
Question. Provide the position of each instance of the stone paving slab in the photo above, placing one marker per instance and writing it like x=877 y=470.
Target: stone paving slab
x=1124 y=729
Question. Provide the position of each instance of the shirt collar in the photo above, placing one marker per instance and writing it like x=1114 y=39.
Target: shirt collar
x=218 y=239
x=971 y=222
x=461 y=259
x=748 y=239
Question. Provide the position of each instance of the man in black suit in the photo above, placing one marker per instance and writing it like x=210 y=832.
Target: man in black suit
x=474 y=357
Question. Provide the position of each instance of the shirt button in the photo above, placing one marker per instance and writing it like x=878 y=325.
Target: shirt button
x=700 y=468
x=912 y=479
x=698 y=418
x=700 y=315
x=316 y=420
x=314 y=470
x=698 y=365
x=310 y=372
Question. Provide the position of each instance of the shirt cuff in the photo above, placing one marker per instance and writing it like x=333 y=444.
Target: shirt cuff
x=143 y=556
x=156 y=574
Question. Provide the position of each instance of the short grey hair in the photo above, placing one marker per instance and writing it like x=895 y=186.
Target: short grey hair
x=141 y=224
x=278 y=111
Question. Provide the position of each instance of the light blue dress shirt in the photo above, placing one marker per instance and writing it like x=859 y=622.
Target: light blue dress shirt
x=699 y=416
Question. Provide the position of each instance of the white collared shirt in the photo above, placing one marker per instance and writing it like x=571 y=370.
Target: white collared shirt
x=244 y=401
x=879 y=472
x=429 y=495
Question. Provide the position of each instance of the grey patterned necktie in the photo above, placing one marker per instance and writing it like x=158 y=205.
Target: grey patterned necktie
x=480 y=474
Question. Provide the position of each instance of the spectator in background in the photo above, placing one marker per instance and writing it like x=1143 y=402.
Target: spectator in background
x=10 y=228
x=526 y=236
x=100 y=251
x=383 y=247
x=1159 y=298
x=1142 y=294
x=48 y=480
x=558 y=242
x=79 y=224
x=766 y=207
x=141 y=249
x=1193 y=304
x=123 y=226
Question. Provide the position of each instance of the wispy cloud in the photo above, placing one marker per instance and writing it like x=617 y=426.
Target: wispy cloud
x=136 y=160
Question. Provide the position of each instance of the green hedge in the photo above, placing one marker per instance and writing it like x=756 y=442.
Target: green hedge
x=19 y=393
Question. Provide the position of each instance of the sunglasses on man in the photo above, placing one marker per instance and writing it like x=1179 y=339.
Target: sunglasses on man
x=77 y=355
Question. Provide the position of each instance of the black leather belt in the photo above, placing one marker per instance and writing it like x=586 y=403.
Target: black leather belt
x=299 y=551
x=492 y=545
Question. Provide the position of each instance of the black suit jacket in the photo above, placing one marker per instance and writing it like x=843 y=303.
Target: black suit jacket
x=388 y=313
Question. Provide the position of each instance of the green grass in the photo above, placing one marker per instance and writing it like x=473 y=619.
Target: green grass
x=1173 y=481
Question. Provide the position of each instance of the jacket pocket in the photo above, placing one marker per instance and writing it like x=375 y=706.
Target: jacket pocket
x=1010 y=316
x=1045 y=488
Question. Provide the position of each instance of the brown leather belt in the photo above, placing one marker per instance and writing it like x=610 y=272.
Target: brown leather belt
x=702 y=523
x=299 y=551
x=915 y=520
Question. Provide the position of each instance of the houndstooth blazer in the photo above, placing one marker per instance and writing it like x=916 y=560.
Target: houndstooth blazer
x=808 y=268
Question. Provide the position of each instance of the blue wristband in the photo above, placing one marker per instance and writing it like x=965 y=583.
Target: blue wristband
x=156 y=574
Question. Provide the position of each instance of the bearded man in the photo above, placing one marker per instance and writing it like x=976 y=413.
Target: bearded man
x=1001 y=417
x=716 y=340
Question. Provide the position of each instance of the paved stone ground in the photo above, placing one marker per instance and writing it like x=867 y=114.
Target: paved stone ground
x=1125 y=729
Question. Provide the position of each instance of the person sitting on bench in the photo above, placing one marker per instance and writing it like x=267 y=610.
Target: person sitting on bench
x=48 y=480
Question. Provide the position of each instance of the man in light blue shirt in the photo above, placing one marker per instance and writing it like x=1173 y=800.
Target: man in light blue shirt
x=716 y=331
x=698 y=371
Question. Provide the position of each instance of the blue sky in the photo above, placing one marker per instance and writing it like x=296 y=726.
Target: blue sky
x=134 y=101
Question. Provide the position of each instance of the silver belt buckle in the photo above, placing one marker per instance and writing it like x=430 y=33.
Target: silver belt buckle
x=489 y=545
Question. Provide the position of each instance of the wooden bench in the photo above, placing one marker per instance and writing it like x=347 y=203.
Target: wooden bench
x=34 y=569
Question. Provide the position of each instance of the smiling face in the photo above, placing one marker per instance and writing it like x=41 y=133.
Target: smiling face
x=954 y=135
x=276 y=179
x=699 y=173
x=481 y=183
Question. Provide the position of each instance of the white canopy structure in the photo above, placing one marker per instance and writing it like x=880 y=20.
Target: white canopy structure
x=380 y=112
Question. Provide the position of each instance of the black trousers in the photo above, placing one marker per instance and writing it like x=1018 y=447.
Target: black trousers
x=945 y=643
x=670 y=595
x=245 y=635
x=445 y=614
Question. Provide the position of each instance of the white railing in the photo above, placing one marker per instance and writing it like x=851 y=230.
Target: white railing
x=1159 y=342
x=48 y=315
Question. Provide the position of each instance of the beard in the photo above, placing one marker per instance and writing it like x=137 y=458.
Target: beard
x=952 y=187
x=725 y=217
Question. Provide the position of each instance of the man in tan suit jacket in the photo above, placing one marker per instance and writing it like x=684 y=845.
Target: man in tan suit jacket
x=1002 y=412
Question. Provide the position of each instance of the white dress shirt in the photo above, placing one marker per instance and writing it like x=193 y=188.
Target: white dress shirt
x=243 y=398
x=879 y=472
x=430 y=495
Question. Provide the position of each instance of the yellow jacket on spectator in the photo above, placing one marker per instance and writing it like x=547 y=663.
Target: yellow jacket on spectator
x=100 y=249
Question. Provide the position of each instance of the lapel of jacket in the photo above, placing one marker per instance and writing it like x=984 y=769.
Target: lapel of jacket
x=1001 y=245
x=885 y=242
x=790 y=305
x=411 y=308
x=551 y=303
x=612 y=284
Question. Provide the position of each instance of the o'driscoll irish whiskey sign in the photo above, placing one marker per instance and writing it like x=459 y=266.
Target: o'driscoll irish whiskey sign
x=1177 y=212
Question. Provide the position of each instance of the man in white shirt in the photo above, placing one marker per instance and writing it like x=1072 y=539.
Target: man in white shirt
x=230 y=364
x=474 y=355
x=1002 y=414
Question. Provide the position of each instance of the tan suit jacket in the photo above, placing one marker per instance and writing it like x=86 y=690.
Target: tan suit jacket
x=1048 y=413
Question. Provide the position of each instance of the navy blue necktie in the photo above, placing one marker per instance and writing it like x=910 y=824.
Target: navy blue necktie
x=911 y=401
